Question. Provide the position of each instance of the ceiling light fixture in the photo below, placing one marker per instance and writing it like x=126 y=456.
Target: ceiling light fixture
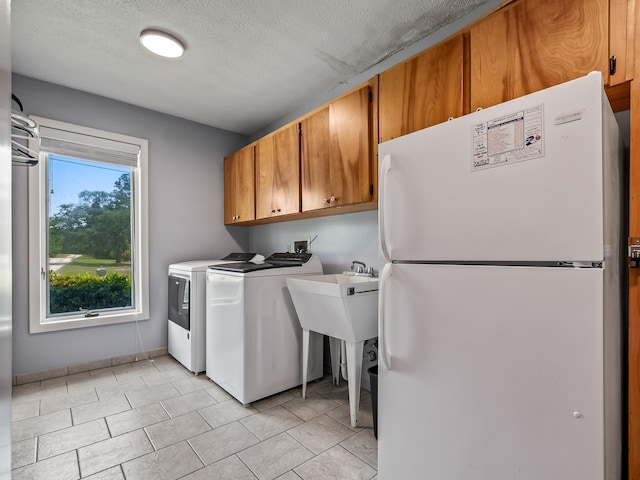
x=161 y=43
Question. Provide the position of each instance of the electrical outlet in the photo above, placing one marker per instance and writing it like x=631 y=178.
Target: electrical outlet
x=300 y=245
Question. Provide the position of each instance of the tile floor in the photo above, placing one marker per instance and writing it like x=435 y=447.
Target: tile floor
x=154 y=420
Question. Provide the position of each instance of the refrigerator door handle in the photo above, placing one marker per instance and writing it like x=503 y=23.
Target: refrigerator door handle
x=384 y=172
x=384 y=278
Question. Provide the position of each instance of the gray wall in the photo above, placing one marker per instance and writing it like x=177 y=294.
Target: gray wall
x=341 y=239
x=185 y=218
x=5 y=244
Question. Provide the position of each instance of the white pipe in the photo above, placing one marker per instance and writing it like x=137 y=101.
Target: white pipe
x=343 y=360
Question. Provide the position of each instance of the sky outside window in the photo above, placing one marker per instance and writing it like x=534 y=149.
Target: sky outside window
x=70 y=176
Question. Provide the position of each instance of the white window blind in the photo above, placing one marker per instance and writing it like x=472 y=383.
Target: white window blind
x=88 y=147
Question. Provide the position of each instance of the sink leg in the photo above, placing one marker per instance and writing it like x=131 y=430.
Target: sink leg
x=305 y=361
x=334 y=348
x=354 y=371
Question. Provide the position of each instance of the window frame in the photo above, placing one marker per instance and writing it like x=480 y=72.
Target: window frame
x=39 y=322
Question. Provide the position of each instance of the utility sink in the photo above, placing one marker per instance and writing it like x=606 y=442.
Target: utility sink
x=344 y=307
x=338 y=305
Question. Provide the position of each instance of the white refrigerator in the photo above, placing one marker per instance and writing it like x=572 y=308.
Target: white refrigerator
x=500 y=299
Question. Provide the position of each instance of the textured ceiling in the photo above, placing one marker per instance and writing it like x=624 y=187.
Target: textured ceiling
x=248 y=62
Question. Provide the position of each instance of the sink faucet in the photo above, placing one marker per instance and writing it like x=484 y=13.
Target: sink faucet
x=361 y=266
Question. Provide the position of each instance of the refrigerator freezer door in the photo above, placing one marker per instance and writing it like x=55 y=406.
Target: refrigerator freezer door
x=542 y=204
x=497 y=373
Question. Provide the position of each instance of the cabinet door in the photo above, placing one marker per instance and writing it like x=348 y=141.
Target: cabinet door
x=278 y=173
x=239 y=186
x=536 y=44
x=423 y=91
x=229 y=181
x=336 y=153
x=316 y=187
x=350 y=148
x=621 y=40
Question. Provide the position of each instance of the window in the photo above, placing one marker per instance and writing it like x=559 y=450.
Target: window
x=88 y=253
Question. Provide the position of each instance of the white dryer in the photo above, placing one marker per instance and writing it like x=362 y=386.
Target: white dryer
x=187 y=309
x=254 y=338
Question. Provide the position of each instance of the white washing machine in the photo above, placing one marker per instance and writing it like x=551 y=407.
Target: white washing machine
x=254 y=338
x=187 y=309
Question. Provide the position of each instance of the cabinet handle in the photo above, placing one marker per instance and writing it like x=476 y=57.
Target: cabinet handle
x=612 y=65
x=278 y=210
x=333 y=199
x=273 y=211
x=324 y=200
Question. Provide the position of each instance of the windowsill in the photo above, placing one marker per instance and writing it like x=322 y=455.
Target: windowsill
x=70 y=323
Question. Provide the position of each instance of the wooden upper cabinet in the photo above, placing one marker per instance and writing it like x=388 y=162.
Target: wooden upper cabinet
x=278 y=173
x=422 y=91
x=350 y=147
x=239 y=187
x=316 y=176
x=621 y=40
x=533 y=45
x=336 y=153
